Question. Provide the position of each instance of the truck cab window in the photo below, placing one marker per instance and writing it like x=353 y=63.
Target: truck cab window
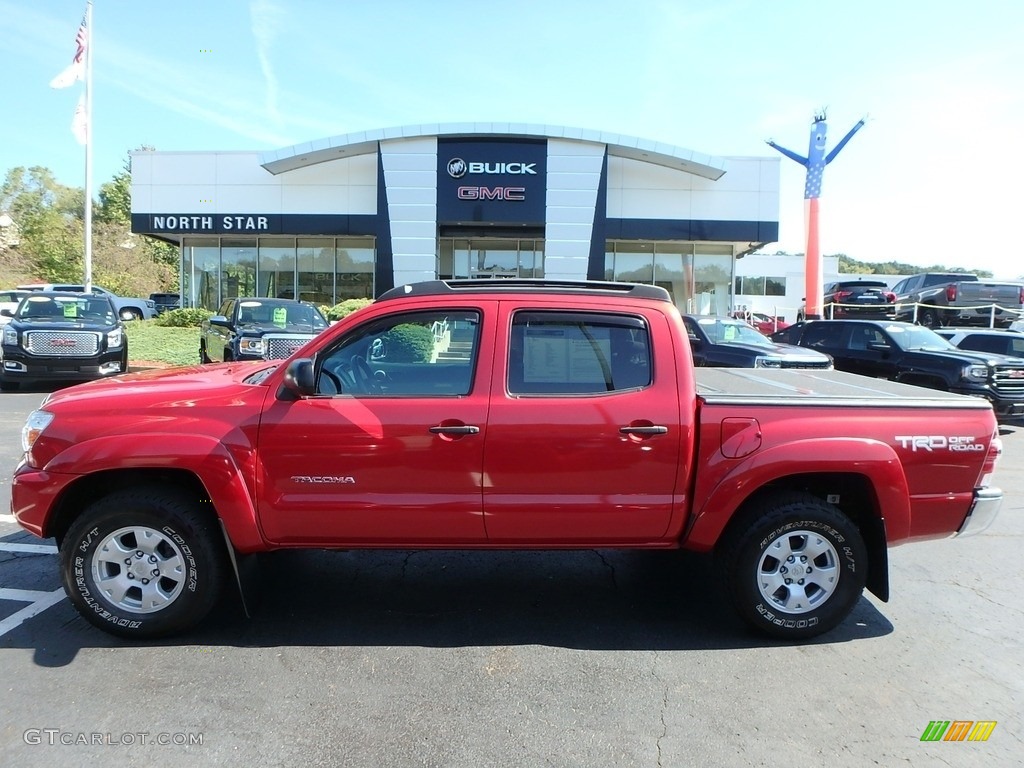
x=557 y=353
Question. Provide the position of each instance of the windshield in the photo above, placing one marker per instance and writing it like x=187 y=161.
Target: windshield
x=916 y=337
x=67 y=308
x=722 y=331
x=275 y=312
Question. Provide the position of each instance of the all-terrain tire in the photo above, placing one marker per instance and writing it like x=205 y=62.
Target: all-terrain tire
x=795 y=567
x=144 y=562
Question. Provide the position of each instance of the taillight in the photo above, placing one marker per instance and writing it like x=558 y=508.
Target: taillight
x=988 y=469
x=891 y=297
x=951 y=292
x=1021 y=297
x=842 y=295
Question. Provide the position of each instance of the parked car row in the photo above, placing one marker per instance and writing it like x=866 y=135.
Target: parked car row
x=932 y=299
x=913 y=354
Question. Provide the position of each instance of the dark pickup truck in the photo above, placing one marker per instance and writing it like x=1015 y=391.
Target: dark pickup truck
x=912 y=354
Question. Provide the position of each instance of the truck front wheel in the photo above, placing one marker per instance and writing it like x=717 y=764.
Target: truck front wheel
x=797 y=569
x=143 y=563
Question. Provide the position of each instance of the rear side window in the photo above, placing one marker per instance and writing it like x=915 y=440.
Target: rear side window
x=822 y=335
x=556 y=353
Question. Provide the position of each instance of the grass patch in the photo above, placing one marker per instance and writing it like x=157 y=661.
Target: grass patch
x=150 y=343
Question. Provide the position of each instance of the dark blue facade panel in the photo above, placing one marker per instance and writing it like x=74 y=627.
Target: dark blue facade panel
x=692 y=229
x=295 y=224
x=485 y=180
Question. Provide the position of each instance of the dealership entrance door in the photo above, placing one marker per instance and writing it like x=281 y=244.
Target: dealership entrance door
x=489 y=258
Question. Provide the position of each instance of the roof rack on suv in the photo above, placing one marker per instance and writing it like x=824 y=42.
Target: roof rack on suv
x=525 y=285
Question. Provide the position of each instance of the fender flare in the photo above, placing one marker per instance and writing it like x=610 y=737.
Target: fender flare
x=875 y=460
x=205 y=457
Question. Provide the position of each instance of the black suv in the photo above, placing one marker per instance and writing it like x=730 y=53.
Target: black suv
x=258 y=329
x=56 y=336
x=913 y=354
x=868 y=299
x=725 y=342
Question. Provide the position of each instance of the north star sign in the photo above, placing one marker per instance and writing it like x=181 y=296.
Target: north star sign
x=491 y=181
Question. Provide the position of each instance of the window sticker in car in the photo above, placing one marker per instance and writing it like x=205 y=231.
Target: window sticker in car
x=71 y=310
x=280 y=316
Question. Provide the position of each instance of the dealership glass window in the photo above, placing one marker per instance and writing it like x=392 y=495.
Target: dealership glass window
x=277 y=268
x=354 y=268
x=633 y=262
x=673 y=270
x=667 y=264
x=487 y=258
x=201 y=272
x=237 y=267
x=760 y=286
x=315 y=270
x=712 y=279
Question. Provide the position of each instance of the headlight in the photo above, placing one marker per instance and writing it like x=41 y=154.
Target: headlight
x=252 y=346
x=35 y=424
x=10 y=335
x=976 y=372
x=115 y=338
x=767 y=362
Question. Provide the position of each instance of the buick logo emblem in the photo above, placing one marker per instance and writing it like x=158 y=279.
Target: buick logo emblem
x=457 y=168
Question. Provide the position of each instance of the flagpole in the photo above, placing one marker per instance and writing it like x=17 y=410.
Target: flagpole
x=88 y=147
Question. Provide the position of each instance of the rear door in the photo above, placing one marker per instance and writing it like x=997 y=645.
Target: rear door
x=584 y=432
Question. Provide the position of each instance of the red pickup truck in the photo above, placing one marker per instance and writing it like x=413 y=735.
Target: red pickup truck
x=505 y=414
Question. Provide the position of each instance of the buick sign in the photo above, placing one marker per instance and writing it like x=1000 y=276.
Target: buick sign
x=457 y=168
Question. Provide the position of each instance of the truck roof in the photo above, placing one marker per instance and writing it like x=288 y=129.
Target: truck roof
x=527 y=285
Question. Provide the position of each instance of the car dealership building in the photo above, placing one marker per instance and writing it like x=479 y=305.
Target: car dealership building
x=352 y=216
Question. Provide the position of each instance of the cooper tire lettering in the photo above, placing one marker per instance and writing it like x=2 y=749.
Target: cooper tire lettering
x=794 y=565
x=143 y=562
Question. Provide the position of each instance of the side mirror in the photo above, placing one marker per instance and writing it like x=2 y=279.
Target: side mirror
x=7 y=312
x=298 y=380
x=220 y=320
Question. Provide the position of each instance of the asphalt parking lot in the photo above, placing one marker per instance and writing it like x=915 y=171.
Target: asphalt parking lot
x=518 y=659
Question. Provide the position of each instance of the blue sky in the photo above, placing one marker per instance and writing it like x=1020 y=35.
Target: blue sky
x=930 y=178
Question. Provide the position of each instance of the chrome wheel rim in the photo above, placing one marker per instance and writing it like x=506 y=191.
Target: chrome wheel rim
x=798 y=572
x=139 y=569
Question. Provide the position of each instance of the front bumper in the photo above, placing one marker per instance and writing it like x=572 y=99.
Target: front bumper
x=987 y=502
x=18 y=366
x=34 y=494
x=1005 y=405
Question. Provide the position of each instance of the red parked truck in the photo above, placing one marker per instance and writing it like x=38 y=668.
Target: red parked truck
x=504 y=414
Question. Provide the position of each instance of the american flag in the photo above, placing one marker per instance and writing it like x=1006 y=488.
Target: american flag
x=80 y=39
x=75 y=71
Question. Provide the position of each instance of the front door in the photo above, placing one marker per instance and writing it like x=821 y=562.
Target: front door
x=390 y=451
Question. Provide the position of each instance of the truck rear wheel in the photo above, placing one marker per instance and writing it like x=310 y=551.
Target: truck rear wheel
x=797 y=569
x=929 y=317
x=143 y=563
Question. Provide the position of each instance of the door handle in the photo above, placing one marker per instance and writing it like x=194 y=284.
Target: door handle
x=655 y=430
x=461 y=429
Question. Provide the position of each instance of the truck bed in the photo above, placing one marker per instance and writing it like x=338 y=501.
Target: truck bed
x=734 y=386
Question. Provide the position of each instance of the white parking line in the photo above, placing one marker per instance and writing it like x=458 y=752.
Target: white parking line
x=8 y=519
x=38 y=602
x=40 y=549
